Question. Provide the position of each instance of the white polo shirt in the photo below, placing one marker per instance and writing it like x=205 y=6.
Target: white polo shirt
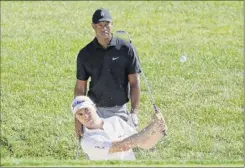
x=97 y=142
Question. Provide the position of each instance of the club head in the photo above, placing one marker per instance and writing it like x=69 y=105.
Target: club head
x=122 y=32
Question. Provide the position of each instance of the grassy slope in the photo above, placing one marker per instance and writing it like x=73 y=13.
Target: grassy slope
x=202 y=99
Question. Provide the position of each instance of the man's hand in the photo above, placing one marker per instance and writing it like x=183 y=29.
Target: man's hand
x=153 y=133
x=133 y=120
x=159 y=121
x=161 y=126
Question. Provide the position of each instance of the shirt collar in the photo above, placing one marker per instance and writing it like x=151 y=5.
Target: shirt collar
x=108 y=128
x=87 y=130
x=113 y=42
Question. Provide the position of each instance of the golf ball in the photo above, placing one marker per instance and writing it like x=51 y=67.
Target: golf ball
x=182 y=58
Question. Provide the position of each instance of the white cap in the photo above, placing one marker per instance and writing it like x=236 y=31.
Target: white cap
x=80 y=102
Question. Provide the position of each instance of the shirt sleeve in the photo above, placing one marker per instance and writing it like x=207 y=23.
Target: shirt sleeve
x=133 y=66
x=81 y=71
x=96 y=145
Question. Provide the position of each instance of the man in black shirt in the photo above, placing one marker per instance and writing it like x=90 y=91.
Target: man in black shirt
x=113 y=68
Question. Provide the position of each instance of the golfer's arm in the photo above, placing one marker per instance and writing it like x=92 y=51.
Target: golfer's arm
x=140 y=139
x=152 y=133
x=134 y=82
x=80 y=89
x=125 y=144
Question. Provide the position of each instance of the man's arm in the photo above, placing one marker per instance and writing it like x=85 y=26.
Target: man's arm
x=146 y=138
x=80 y=89
x=134 y=82
x=123 y=145
x=153 y=133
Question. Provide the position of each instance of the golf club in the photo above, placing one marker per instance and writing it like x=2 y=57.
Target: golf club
x=143 y=74
x=146 y=82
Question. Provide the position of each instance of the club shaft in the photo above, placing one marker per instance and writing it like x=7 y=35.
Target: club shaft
x=78 y=147
x=143 y=74
x=147 y=86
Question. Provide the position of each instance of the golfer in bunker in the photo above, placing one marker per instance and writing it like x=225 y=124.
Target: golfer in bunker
x=112 y=138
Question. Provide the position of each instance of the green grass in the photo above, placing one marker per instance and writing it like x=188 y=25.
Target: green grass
x=202 y=99
x=141 y=163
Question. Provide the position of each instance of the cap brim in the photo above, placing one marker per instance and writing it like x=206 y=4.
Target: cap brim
x=81 y=106
x=104 y=19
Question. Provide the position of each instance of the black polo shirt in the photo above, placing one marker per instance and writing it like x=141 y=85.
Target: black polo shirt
x=108 y=69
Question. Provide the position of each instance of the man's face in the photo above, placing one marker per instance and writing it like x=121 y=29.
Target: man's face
x=103 y=29
x=87 y=116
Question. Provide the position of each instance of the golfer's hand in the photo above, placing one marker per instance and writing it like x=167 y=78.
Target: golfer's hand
x=153 y=133
x=160 y=122
x=133 y=120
